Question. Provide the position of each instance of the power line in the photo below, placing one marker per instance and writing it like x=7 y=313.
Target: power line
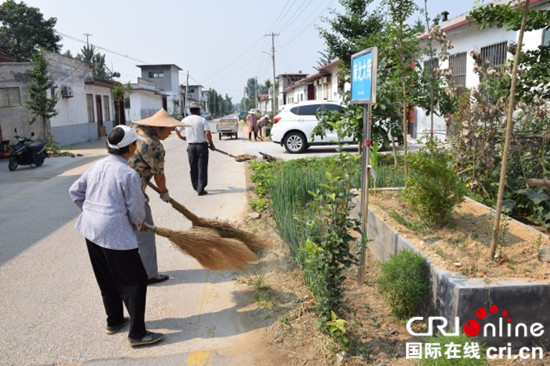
x=300 y=33
x=283 y=17
x=301 y=9
x=229 y=64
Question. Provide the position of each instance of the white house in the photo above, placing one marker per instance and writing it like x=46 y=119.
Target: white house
x=144 y=100
x=323 y=85
x=165 y=77
x=85 y=107
x=493 y=44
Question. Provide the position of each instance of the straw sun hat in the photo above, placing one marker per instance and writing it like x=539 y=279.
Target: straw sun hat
x=160 y=119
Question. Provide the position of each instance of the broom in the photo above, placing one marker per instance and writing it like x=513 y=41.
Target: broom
x=224 y=228
x=239 y=158
x=208 y=248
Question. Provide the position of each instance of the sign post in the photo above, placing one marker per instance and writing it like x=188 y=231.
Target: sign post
x=363 y=91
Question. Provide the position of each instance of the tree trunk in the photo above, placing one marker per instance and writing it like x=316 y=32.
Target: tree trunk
x=404 y=87
x=509 y=127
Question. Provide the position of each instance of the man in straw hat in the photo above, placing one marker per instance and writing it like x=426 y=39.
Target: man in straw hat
x=148 y=161
x=199 y=137
x=113 y=208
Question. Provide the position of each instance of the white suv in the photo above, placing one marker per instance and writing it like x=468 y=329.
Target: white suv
x=293 y=124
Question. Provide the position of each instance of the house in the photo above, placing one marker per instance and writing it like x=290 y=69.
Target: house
x=144 y=100
x=283 y=82
x=494 y=45
x=165 y=77
x=264 y=103
x=85 y=106
x=323 y=85
x=194 y=93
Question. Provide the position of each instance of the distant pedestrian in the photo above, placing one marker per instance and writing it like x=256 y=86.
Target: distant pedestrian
x=252 y=124
x=148 y=161
x=199 y=138
x=113 y=209
x=261 y=124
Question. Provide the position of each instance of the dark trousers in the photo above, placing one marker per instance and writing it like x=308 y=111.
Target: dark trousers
x=255 y=135
x=122 y=279
x=198 y=163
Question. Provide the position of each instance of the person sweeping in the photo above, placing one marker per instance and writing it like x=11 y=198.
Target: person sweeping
x=113 y=209
x=148 y=161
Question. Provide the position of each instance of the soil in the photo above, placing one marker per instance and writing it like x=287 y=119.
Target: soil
x=463 y=246
x=294 y=340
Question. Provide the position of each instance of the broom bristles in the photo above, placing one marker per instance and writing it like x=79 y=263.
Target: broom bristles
x=228 y=230
x=209 y=249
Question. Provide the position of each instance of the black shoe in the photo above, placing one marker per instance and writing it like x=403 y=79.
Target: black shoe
x=160 y=278
x=148 y=338
x=112 y=329
x=203 y=193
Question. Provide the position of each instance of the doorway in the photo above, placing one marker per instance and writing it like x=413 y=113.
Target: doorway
x=99 y=109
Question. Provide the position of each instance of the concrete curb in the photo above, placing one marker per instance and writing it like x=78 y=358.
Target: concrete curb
x=454 y=295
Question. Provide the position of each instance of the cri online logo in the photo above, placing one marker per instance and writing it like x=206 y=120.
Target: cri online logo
x=472 y=328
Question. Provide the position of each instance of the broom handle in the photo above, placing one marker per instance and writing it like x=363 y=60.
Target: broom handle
x=225 y=153
x=178 y=206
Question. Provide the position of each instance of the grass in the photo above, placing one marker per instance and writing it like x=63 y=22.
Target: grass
x=459 y=342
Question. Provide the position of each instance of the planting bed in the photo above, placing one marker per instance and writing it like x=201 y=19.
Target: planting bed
x=463 y=278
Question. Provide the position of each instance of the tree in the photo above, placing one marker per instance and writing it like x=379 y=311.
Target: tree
x=326 y=58
x=345 y=29
x=24 y=31
x=99 y=68
x=527 y=85
x=120 y=93
x=42 y=97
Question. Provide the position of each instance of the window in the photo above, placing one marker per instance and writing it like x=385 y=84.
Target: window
x=156 y=74
x=90 y=102
x=106 y=111
x=495 y=53
x=430 y=65
x=191 y=90
x=457 y=64
x=546 y=37
x=306 y=110
x=333 y=107
x=10 y=97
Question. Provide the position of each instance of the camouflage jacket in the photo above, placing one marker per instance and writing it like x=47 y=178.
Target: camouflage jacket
x=149 y=158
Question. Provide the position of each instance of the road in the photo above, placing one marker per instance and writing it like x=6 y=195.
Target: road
x=50 y=306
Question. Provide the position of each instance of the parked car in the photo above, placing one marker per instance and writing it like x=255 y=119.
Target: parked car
x=293 y=125
x=242 y=114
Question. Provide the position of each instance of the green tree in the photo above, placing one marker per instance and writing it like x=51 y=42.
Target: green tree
x=99 y=68
x=326 y=58
x=24 y=31
x=120 y=93
x=345 y=29
x=42 y=97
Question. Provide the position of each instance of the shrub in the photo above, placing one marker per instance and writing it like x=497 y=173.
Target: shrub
x=433 y=187
x=462 y=341
x=404 y=283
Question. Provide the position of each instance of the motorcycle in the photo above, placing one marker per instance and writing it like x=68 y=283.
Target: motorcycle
x=27 y=152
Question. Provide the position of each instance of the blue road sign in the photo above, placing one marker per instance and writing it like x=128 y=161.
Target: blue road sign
x=363 y=76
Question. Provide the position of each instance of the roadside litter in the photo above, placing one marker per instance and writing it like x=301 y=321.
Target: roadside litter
x=239 y=158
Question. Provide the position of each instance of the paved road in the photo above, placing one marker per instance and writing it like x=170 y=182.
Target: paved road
x=50 y=306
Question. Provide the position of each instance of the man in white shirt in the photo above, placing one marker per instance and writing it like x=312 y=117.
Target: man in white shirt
x=200 y=139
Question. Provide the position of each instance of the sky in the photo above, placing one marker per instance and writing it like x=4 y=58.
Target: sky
x=221 y=43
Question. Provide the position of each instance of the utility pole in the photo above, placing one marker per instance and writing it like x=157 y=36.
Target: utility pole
x=87 y=38
x=256 y=92
x=273 y=102
x=186 y=94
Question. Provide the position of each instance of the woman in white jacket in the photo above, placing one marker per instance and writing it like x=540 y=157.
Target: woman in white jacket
x=113 y=208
